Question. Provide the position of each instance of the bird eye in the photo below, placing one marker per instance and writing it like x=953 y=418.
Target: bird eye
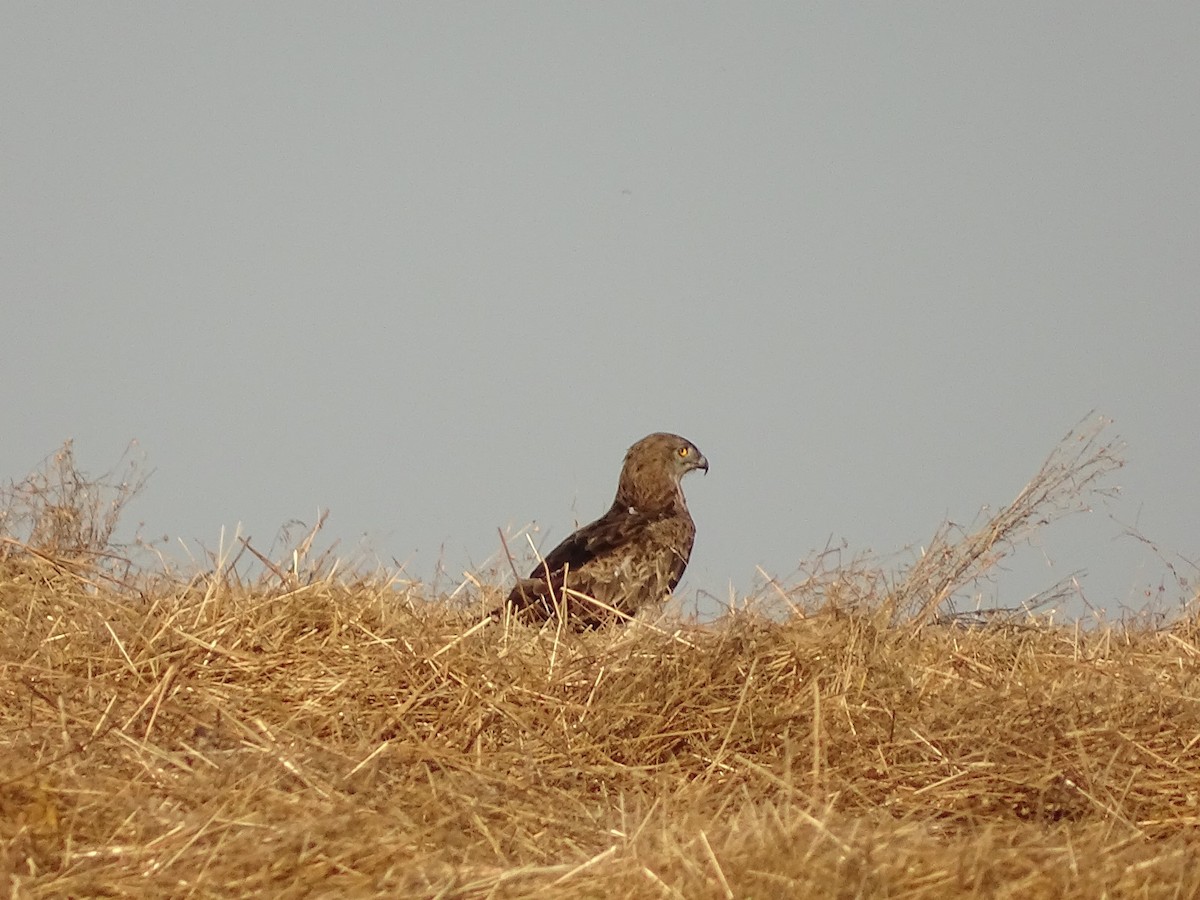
x=684 y=451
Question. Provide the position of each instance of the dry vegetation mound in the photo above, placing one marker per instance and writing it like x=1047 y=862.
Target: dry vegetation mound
x=310 y=735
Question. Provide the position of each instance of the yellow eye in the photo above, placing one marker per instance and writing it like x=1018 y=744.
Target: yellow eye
x=684 y=451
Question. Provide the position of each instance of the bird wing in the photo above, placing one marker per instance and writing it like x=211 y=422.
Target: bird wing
x=620 y=548
x=607 y=534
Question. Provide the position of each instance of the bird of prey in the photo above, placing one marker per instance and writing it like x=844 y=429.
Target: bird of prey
x=629 y=558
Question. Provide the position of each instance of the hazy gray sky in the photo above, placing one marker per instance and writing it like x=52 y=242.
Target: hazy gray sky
x=435 y=266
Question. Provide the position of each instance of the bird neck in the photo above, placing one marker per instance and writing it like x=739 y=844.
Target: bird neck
x=649 y=496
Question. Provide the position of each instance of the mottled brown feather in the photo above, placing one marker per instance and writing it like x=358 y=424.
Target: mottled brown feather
x=632 y=556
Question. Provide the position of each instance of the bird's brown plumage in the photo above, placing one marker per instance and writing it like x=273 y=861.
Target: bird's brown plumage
x=630 y=557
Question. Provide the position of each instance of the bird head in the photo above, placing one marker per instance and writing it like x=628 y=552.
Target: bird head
x=686 y=456
x=653 y=468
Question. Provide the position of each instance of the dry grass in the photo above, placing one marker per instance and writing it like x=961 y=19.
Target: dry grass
x=305 y=734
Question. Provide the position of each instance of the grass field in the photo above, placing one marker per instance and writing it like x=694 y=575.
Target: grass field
x=303 y=733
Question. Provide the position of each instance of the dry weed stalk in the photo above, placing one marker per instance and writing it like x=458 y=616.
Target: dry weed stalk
x=1069 y=478
x=61 y=517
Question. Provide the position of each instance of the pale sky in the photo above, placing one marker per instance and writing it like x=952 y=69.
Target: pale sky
x=433 y=267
